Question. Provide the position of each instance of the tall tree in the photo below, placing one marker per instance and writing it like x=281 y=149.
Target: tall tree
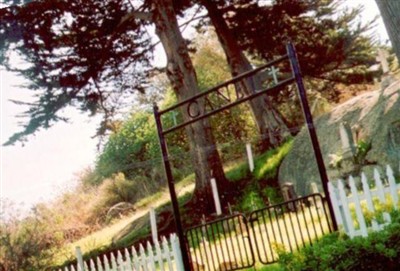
x=335 y=53
x=94 y=55
x=390 y=12
x=331 y=45
x=270 y=124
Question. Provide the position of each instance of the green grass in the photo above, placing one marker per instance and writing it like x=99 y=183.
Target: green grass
x=237 y=171
x=266 y=165
x=270 y=267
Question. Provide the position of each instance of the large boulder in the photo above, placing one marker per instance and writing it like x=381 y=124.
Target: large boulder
x=373 y=117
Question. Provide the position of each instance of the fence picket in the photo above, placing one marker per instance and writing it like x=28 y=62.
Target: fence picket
x=159 y=257
x=347 y=220
x=128 y=260
x=341 y=202
x=368 y=197
x=176 y=251
x=143 y=258
x=99 y=264
x=135 y=259
x=381 y=193
x=151 y=258
x=106 y=264
x=336 y=203
x=392 y=185
x=357 y=203
x=120 y=261
x=114 y=266
x=167 y=252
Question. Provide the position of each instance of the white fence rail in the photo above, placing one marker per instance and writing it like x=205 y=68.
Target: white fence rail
x=165 y=257
x=361 y=211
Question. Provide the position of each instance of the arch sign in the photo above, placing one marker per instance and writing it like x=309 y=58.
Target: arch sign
x=275 y=75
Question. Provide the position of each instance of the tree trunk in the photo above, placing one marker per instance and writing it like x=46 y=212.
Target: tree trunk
x=205 y=157
x=269 y=121
x=390 y=12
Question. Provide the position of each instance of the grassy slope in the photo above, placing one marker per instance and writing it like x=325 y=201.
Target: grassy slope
x=130 y=228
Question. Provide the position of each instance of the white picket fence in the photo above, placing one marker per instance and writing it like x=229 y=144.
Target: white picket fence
x=344 y=204
x=164 y=256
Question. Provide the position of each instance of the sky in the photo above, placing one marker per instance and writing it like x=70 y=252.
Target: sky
x=49 y=162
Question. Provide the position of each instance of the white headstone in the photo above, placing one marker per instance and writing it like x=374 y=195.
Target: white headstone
x=153 y=223
x=250 y=157
x=382 y=58
x=346 y=137
x=216 y=196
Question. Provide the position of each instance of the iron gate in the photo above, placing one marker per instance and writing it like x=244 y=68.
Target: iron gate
x=229 y=243
x=204 y=108
x=289 y=226
x=222 y=244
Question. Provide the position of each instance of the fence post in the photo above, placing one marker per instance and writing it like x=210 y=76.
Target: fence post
x=79 y=258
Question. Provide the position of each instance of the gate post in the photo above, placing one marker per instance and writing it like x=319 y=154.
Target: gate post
x=171 y=187
x=311 y=129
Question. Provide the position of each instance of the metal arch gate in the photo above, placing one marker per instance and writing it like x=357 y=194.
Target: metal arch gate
x=205 y=112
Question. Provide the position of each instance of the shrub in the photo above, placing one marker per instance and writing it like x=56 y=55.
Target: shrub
x=25 y=244
x=378 y=251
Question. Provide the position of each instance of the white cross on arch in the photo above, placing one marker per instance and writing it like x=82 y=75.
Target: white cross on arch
x=274 y=73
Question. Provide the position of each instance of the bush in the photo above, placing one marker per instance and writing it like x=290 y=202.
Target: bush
x=378 y=251
x=25 y=244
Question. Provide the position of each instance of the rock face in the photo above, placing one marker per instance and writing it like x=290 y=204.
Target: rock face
x=373 y=117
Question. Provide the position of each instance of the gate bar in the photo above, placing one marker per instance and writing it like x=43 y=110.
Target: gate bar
x=171 y=188
x=311 y=129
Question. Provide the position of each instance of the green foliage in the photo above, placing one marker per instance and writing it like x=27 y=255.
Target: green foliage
x=330 y=44
x=131 y=149
x=362 y=149
x=272 y=195
x=252 y=200
x=378 y=251
x=229 y=126
x=118 y=189
x=267 y=164
x=77 y=54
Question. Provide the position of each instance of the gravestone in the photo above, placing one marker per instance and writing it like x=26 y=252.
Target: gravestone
x=346 y=137
x=289 y=194
x=382 y=59
x=314 y=188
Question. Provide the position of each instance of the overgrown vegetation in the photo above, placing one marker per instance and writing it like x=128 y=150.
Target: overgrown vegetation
x=128 y=169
